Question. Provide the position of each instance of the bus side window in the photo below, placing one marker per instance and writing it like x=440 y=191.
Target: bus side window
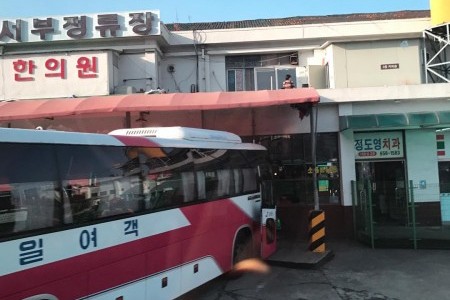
x=8 y=219
x=67 y=209
x=163 y=198
x=29 y=179
x=94 y=176
x=43 y=203
x=116 y=206
x=238 y=186
x=250 y=182
x=148 y=188
x=224 y=185
x=211 y=183
x=31 y=206
x=201 y=187
x=188 y=182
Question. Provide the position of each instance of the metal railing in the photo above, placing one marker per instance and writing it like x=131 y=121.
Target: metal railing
x=401 y=214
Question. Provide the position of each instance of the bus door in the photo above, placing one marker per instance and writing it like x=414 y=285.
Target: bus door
x=268 y=220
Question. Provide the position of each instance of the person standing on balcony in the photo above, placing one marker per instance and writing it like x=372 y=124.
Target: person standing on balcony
x=288 y=83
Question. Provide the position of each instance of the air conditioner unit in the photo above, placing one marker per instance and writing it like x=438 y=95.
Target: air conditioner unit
x=293 y=59
x=124 y=89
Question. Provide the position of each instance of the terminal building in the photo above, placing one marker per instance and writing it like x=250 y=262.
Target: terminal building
x=382 y=120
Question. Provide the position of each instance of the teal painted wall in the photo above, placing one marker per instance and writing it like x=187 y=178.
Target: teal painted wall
x=423 y=164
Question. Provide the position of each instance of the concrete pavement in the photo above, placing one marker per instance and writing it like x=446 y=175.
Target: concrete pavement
x=355 y=272
x=295 y=254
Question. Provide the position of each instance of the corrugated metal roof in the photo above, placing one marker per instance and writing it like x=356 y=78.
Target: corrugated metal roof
x=357 y=17
x=63 y=107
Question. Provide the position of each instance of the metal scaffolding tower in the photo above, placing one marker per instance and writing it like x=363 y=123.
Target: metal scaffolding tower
x=437 y=53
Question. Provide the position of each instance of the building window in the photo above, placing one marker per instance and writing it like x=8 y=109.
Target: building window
x=257 y=72
x=292 y=170
x=240 y=80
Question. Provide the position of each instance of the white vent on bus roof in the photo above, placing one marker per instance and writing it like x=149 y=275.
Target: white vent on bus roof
x=184 y=133
x=136 y=132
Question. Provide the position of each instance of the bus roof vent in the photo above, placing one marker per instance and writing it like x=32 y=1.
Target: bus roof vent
x=184 y=133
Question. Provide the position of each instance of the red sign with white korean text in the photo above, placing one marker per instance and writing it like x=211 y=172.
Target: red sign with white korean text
x=55 y=75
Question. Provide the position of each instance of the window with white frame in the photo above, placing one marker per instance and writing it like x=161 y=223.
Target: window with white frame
x=258 y=72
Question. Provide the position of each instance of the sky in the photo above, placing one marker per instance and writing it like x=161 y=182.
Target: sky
x=187 y=11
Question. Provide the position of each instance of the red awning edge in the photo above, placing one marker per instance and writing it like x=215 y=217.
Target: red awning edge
x=48 y=108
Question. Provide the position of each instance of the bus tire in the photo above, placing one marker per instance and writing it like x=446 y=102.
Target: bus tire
x=243 y=246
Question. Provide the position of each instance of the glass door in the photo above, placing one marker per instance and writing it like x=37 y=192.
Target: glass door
x=265 y=79
x=272 y=78
x=388 y=190
x=281 y=76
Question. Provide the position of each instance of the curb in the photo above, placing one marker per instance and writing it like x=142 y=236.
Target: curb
x=304 y=260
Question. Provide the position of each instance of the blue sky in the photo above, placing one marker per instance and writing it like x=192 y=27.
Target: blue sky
x=184 y=11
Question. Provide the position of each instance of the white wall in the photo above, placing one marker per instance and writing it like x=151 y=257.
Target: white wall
x=218 y=82
x=328 y=59
x=420 y=97
x=114 y=76
x=211 y=73
x=347 y=165
x=182 y=78
x=337 y=62
x=359 y=63
x=308 y=33
x=138 y=67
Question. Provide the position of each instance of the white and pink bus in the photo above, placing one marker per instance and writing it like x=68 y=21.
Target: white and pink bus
x=145 y=213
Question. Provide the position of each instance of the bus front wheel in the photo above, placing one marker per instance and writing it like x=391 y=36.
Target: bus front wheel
x=243 y=247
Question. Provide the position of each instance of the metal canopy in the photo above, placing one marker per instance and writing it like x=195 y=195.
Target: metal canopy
x=48 y=108
x=405 y=120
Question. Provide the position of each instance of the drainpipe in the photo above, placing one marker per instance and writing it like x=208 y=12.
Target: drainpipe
x=313 y=122
x=316 y=217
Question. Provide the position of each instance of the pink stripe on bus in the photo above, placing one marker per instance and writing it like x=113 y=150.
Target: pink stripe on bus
x=136 y=141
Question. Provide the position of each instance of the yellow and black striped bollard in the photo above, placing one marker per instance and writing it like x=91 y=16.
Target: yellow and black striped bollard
x=317 y=231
